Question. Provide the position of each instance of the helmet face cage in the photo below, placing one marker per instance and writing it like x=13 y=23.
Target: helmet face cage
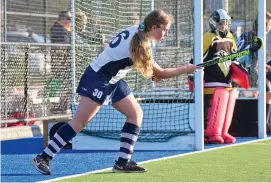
x=218 y=18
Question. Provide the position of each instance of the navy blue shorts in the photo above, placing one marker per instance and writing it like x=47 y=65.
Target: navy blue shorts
x=95 y=87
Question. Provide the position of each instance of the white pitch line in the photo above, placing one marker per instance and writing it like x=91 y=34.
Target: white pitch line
x=159 y=159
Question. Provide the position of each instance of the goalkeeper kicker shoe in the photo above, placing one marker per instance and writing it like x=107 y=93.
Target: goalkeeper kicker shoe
x=228 y=139
x=42 y=164
x=129 y=167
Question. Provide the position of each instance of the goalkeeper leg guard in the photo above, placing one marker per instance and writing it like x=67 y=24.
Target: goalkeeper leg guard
x=228 y=117
x=216 y=115
x=207 y=99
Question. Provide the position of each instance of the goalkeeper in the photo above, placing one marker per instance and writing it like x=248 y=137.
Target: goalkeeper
x=219 y=96
x=104 y=76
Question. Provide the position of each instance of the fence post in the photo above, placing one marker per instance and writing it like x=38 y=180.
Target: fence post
x=198 y=58
x=262 y=70
x=73 y=53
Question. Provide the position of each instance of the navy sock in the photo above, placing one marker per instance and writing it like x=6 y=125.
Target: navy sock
x=128 y=138
x=64 y=134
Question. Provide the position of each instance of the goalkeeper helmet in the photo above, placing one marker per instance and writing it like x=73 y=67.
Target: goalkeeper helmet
x=217 y=19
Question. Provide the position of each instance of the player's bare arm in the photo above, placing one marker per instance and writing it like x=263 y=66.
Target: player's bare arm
x=160 y=73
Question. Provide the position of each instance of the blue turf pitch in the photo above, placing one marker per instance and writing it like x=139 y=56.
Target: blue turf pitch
x=17 y=155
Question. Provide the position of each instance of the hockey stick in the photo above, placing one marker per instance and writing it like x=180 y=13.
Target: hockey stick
x=256 y=44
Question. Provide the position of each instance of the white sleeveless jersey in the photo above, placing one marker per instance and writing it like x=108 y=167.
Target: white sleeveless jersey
x=114 y=62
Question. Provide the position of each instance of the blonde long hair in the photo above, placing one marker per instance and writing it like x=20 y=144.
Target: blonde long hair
x=140 y=47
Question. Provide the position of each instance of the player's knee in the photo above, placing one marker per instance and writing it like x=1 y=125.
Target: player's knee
x=140 y=114
x=136 y=116
x=78 y=125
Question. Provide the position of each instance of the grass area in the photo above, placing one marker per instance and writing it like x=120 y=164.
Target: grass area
x=245 y=163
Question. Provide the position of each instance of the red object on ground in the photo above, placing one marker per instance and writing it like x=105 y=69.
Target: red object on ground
x=20 y=115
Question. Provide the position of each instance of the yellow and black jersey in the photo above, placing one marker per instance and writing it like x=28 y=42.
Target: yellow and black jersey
x=215 y=47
